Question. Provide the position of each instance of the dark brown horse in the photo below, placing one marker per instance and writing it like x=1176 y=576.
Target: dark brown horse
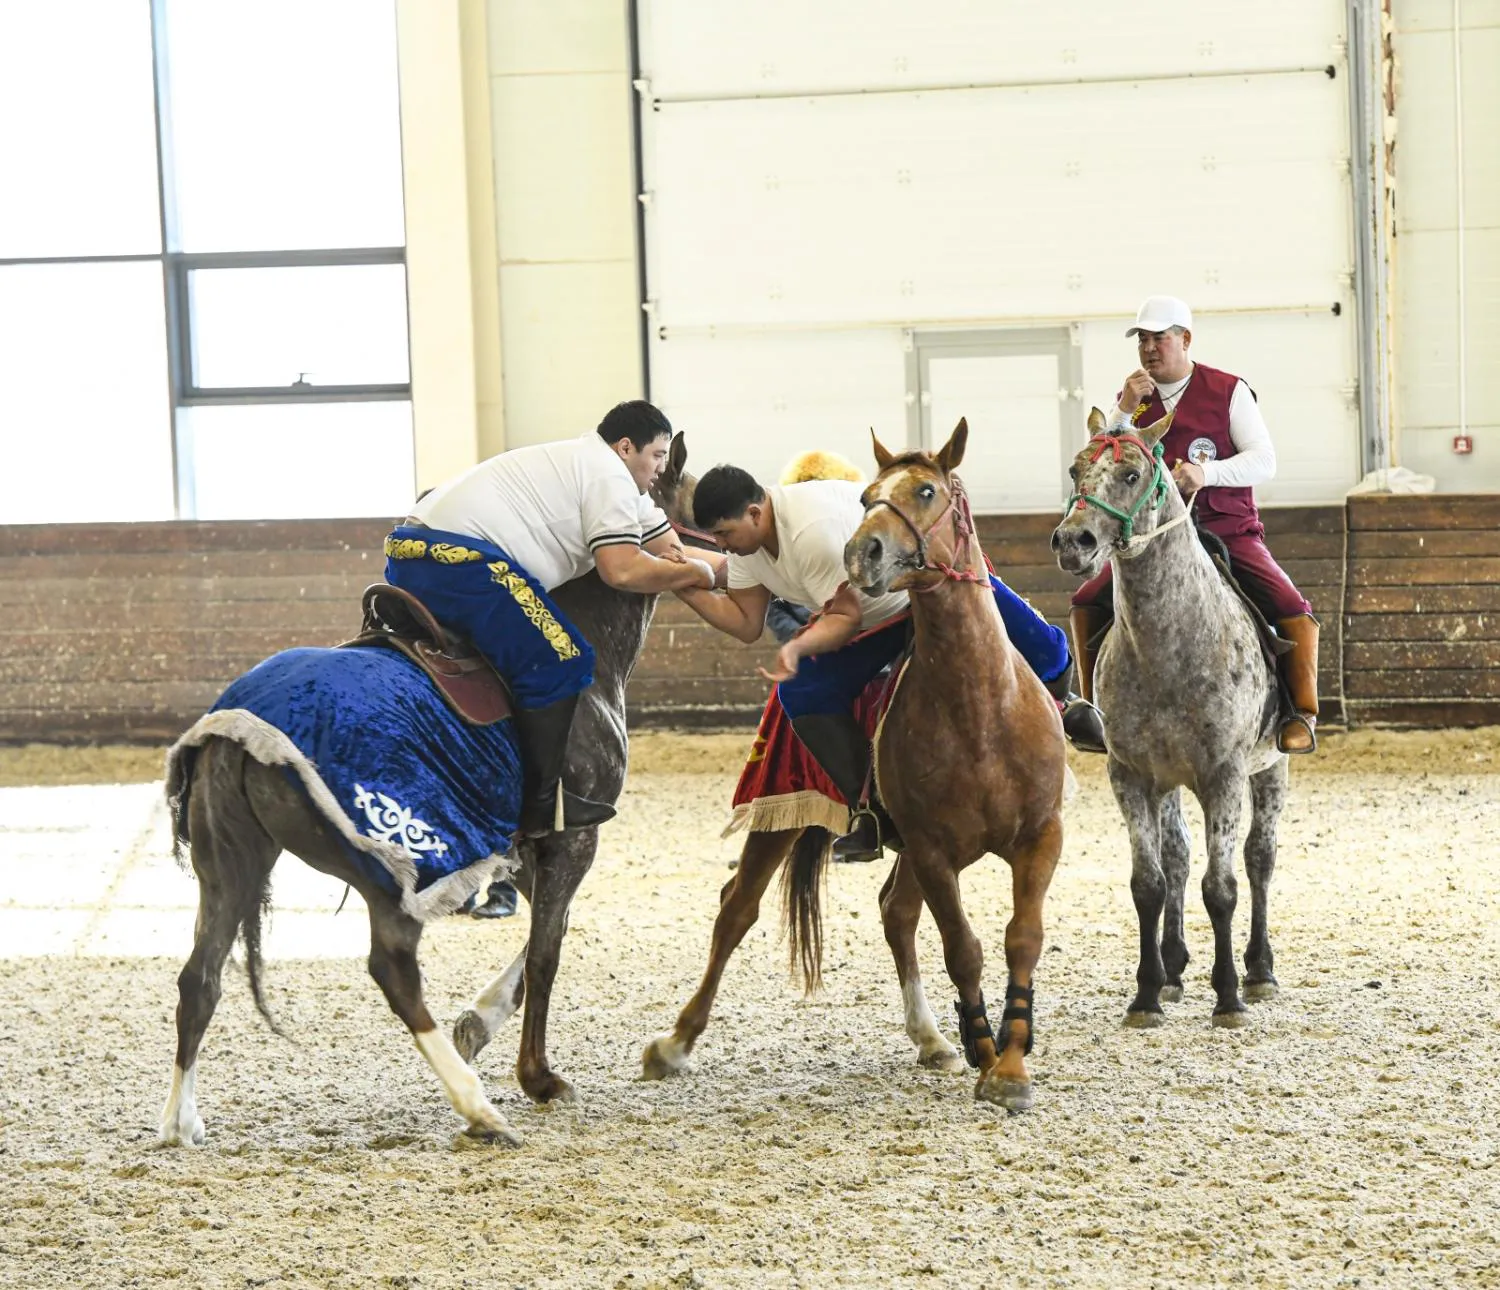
x=236 y=815
x=970 y=759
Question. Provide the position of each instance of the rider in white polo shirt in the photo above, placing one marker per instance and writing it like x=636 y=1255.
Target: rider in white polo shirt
x=788 y=541
x=484 y=550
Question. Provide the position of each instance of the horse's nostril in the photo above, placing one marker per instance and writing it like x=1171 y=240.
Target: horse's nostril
x=1087 y=540
x=1056 y=540
x=872 y=548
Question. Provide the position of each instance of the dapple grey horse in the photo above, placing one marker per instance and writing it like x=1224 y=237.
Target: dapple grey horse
x=237 y=815
x=1190 y=702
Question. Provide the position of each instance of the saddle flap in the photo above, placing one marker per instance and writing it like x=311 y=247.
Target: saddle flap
x=463 y=676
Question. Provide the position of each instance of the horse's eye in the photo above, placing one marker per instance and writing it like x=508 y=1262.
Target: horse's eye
x=927 y=492
x=1134 y=477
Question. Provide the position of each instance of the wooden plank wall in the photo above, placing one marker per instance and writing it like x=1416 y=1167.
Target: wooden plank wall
x=127 y=632
x=1423 y=613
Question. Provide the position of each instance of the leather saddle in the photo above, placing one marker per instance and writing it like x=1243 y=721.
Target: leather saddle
x=397 y=620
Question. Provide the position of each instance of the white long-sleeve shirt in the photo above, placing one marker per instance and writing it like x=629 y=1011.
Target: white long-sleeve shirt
x=1254 y=461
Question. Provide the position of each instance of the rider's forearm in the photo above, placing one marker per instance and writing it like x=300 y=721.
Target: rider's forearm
x=831 y=632
x=647 y=575
x=723 y=613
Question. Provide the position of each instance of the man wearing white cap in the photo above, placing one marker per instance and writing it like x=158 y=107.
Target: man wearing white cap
x=1219 y=448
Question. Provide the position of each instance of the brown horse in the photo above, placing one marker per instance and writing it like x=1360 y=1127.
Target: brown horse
x=970 y=759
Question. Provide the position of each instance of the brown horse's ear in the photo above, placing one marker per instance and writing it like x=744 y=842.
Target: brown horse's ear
x=1098 y=422
x=677 y=456
x=883 y=456
x=952 y=452
x=1152 y=434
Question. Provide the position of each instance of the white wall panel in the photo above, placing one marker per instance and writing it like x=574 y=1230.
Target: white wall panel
x=757 y=401
x=1063 y=201
x=798 y=223
x=715 y=49
x=1426 y=276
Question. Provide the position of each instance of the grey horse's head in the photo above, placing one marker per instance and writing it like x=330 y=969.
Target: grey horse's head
x=1119 y=491
x=673 y=489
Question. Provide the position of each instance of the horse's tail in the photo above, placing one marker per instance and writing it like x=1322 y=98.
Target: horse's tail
x=238 y=854
x=802 y=883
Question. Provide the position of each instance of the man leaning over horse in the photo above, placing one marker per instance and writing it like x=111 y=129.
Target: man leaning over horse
x=484 y=551
x=1219 y=448
x=788 y=541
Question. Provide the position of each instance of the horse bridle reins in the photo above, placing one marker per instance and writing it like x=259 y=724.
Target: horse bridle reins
x=1129 y=543
x=963 y=530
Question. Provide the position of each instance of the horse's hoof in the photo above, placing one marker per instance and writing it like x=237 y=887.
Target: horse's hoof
x=663 y=1056
x=946 y=1059
x=1236 y=1020
x=182 y=1135
x=1171 y=994
x=496 y=1130
x=470 y=1035
x=1260 y=991
x=1145 y=1020
x=551 y=1090
x=1013 y=1094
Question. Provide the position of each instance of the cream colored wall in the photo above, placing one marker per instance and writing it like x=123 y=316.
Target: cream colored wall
x=1426 y=273
x=564 y=213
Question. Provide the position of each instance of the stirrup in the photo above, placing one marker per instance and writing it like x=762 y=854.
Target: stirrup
x=854 y=848
x=1083 y=724
x=1308 y=722
x=568 y=811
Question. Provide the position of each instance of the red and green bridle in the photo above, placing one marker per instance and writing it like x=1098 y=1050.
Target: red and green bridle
x=1155 y=492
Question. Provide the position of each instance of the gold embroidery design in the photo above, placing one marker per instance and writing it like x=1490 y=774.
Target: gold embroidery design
x=531 y=605
x=447 y=553
x=405 y=548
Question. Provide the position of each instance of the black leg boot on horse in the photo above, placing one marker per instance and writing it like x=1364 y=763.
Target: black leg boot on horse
x=547 y=806
x=841 y=749
x=1298 y=733
x=1083 y=723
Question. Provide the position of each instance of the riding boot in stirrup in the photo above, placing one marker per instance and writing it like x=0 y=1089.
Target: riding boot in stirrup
x=841 y=749
x=1083 y=723
x=1298 y=733
x=546 y=806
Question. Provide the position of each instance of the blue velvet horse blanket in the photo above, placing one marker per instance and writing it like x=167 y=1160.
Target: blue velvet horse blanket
x=425 y=803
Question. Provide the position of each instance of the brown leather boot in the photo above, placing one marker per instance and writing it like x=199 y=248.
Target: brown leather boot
x=1082 y=721
x=1298 y=733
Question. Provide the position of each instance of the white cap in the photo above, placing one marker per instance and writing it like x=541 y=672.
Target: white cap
x=1157 y=313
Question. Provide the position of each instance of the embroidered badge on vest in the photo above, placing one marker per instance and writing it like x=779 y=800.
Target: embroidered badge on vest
x=1201 y=451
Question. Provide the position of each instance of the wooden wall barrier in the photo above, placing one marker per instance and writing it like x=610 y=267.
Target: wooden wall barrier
x=113 y=632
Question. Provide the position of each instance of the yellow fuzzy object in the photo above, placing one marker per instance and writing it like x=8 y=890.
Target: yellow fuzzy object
x=818 y=464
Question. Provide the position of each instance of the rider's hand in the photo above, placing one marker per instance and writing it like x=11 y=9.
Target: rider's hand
x=1136 y=390
x=706 y=574
x=785 y=667
x=1188 y=477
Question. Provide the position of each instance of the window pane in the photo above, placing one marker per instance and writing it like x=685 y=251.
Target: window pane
x=78 y=145
x=85 y=430
x=301 y=461
x=328 y=325
x=285 y=124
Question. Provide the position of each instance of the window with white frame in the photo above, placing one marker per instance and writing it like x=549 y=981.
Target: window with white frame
x=202 y=261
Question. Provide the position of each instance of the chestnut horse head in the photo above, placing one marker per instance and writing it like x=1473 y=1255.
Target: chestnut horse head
x=918 y=530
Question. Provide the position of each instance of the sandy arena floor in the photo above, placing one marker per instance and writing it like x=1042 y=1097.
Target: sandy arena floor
x=1349 y=1137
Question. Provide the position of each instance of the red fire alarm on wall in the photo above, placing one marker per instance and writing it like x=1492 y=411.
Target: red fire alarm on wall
x=1463 y=444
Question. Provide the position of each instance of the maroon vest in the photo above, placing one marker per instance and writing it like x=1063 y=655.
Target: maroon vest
x=1199 y=433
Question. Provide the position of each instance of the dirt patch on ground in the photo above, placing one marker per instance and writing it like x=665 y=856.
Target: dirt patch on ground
x=1348 y=1137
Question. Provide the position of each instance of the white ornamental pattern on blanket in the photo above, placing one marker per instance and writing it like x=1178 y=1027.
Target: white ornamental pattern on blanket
x=392 y=822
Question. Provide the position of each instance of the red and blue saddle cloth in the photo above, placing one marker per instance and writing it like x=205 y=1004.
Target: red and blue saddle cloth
x=424 y=802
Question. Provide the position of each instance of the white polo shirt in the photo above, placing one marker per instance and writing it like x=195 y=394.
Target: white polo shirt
x=551 y=505
x=814 y=522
